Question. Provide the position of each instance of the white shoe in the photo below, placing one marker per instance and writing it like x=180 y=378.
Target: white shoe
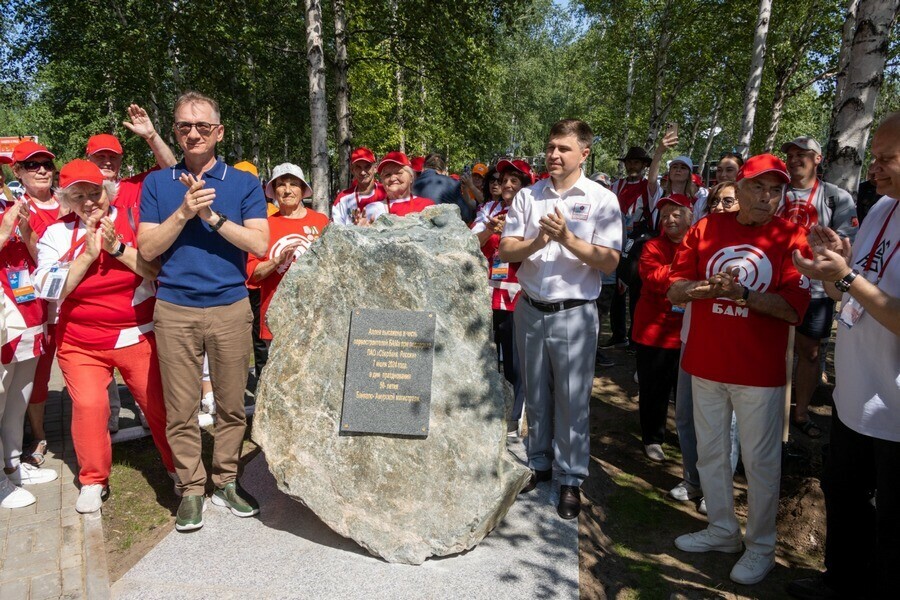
x=752 y=568
x=14 y=497
x=685 y=491
x=91 y=498
x=704 y=541
x=655 y=452
x=174 y=477
x=636 y=377
x=702 y=508
x=26 y=474
x=208 y=403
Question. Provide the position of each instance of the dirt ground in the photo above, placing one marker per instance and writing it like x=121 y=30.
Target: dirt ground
x=626 y=529
x=628 y=525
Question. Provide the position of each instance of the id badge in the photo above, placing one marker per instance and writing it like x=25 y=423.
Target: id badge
x=851 y=312
x=56 y=280
x=499 y=269
x=22 y=287
x=678 y=308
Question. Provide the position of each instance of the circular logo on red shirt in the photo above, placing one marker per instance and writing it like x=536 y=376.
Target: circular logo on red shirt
x=799 y=212
x=754 y=267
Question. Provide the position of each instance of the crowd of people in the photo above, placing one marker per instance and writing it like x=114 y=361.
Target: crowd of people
x=167 y=276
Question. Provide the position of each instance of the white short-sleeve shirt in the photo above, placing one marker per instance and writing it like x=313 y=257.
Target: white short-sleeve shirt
x=553 y=273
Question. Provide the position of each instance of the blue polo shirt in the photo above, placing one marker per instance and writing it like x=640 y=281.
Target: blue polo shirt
x=201 y=268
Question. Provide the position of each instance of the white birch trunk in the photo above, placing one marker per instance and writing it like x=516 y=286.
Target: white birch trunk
x=754 y=80
x=864 y=77
x=844 y=56
x=626 y=116
x=318 y=107
x=713 y=123
x=342 y=93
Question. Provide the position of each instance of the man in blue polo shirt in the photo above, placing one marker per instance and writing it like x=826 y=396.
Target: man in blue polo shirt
x=201 y=218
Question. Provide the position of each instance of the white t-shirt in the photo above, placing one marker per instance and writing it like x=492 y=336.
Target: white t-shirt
x=867 y=356
x=831 y=207
x=553 y=273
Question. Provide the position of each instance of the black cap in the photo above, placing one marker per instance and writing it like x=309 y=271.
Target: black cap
x=637 y=153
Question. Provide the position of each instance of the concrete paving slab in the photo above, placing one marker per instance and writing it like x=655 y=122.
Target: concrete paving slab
x=288 y=553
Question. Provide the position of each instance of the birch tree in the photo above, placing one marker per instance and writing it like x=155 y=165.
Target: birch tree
x=849 y=133
x=342 y=93
x=751 y=93
x=318 y=107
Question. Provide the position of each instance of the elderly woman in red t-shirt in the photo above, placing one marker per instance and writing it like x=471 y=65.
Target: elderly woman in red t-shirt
x=657 y=324
x=88 y=262
x=488 y=225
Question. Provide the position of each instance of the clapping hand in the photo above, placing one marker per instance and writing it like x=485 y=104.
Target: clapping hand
x=554 y=226
x=496 y=224
x=93 y=239
x=197 y=200
x=108 y=235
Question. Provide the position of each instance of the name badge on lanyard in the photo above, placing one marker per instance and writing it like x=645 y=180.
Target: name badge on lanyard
x=56 y=281
x=21 y=285
x=499 y=269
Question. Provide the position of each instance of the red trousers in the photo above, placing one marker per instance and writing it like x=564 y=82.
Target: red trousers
x=44 y=365
x=87 y=373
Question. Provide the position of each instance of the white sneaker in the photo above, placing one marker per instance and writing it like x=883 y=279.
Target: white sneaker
x=655 y=452
x=26 y=474
x=752 y=568
x=704 y=541
x=702 y=508
x=208 y=403
x=174 y=477
x=685 y=491
x=91 y=498
x=14 y=497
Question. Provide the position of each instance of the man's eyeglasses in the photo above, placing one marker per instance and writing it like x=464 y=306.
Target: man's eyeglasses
x=725 y=202
x=203 y=128
x=33 y=165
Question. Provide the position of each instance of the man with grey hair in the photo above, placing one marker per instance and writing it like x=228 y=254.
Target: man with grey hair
x=200 y=218
x=809 y=201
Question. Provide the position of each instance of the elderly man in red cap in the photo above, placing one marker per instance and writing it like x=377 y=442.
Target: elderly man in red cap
x=364 y=189
x=737 y=272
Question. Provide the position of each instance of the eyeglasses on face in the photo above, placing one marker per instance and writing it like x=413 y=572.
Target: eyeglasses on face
x=203 y=128
x=33 y=165
x=495 y=179
x=726 y=202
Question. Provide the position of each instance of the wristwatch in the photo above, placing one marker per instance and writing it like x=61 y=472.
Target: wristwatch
x=742 y=301
x=219 y=223
x=120 y=250
x=843 y=284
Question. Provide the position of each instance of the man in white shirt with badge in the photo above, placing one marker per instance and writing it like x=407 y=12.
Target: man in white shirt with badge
x=809 y=201
x=861 y=551
x=566 y=231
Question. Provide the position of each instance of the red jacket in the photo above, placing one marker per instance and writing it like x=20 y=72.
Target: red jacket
x=656 y=322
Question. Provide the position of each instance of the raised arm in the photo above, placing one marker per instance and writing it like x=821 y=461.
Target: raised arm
x=669 y=140
x=140 y=124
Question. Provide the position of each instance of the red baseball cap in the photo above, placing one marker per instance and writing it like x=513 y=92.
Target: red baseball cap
x=518 y=165
x=104 y=141
x=26 y=149
x=80 y=171
x=396 y=157
x=362 y=153
x=418 y=163
x=677 y=200
x=698 y=181
x=763 y=163
x=454 y=176
x=5 y=160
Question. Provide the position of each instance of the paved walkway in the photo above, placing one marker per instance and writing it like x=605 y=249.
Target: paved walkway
x=43 y=546
x=288 y=553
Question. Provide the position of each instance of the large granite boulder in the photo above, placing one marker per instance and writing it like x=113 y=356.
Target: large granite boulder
x=401 y=498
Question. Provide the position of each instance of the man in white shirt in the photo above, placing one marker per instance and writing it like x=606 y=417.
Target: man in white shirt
x=861 y=551
x=565 y=231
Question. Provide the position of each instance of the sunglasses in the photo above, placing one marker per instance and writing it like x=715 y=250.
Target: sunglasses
x=726 y=202
x=203 y=128
x=495 y=179
x=33 y=165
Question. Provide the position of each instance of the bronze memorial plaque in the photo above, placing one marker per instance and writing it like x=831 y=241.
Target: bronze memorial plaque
x=387 y=381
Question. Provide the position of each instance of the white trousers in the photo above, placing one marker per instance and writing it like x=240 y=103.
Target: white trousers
x=15 y=392
x=760 y=414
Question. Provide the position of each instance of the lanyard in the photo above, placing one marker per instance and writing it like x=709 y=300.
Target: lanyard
x=810 y=198
x=70 y=255
x=878 y=242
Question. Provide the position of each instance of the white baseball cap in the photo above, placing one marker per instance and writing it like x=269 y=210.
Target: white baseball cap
x=686 y=160
x=287 y=169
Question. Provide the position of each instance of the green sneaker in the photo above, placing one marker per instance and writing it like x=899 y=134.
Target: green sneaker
x=190 y=513
x=236 y=499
